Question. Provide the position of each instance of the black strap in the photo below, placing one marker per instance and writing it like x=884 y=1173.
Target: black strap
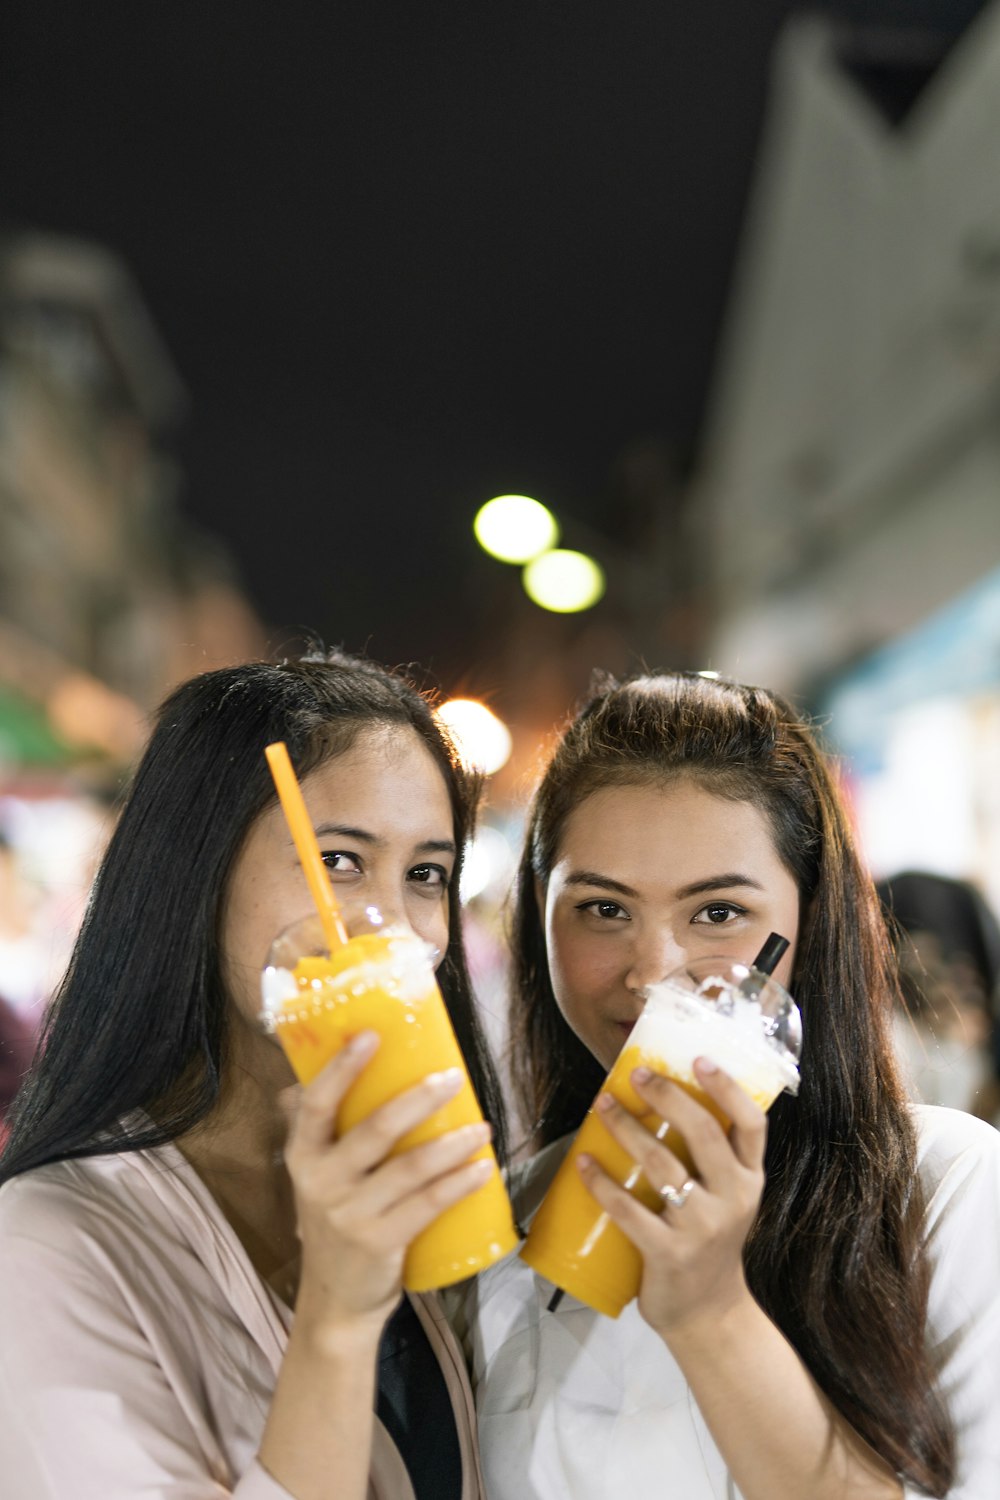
x=414 y=1404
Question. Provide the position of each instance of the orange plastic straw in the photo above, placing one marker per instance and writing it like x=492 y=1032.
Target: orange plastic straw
x=301 y=829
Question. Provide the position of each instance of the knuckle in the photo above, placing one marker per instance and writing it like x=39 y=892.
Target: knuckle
x=316 y=1108
x=384 y=1129
x=598 y=1184
x=356 y=1237
x=335 y=1219
x=704 y=1129
x=423 y=1161
x=755 y=1187
x=748 y=1114
x=308 y=1186
x=441 y=1192
x=453 y=1148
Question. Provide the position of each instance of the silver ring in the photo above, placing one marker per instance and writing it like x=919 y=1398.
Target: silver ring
x=677 y=1197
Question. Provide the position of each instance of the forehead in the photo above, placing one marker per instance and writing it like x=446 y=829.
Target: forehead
x=676 y=823
x=386 y=784
x=387 y=767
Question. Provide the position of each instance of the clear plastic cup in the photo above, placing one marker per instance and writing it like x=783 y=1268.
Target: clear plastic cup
x=739 y=1018
x=383 y=980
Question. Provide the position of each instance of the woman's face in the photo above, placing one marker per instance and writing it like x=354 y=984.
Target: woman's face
x=647 y=878
x=382 y=815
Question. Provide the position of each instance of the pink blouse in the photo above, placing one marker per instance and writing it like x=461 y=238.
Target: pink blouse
x=139 y=1348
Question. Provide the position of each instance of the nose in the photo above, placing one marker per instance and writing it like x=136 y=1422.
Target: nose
x=388 y=913
x=387 y=898
x=655 y=954
x=372 y=906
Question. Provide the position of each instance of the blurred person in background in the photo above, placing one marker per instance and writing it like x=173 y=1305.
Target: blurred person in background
x=200 y=1286
x=946 y=1030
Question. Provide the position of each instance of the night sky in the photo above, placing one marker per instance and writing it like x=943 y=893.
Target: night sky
x=405 y=257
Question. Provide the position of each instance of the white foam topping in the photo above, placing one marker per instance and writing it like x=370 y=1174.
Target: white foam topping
x=277 y=986
x=728 y=1028
x=404 y=971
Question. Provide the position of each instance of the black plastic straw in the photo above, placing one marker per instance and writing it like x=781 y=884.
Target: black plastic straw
x=555 y=1299
x=769 y=957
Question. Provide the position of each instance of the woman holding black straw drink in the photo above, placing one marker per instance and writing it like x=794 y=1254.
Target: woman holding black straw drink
x=819 y=1307
x=199 y=1284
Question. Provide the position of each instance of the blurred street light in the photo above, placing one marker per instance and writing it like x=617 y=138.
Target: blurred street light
x=515 y=528
x=489 y=862
x=483 y=741
x=563 y=581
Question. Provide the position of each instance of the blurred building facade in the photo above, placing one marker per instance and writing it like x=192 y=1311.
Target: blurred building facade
x=107 y=595
x=849 y=494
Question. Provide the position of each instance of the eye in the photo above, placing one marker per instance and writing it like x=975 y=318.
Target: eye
x=431 y=878
x=719 y=913
x=604 y=911
x=339 y=862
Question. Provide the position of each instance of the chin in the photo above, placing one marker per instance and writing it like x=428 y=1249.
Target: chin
x=607 y=1055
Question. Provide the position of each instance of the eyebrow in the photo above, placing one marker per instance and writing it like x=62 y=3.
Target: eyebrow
x=697 y=887
x=364 y=836
x=588 y=877
x=719 y=883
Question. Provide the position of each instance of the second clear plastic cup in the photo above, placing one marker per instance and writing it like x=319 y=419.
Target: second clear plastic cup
x=383 y=980
x=742 y=1020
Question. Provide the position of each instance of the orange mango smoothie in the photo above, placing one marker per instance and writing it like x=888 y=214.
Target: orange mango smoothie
x=383 y=982
x=572 y=1242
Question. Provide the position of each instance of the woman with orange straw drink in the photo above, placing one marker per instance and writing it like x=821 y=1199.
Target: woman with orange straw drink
x=818 y=1309
x=200 y=1280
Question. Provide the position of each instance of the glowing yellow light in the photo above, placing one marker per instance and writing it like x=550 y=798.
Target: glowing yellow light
x=488 y=861
x=515 y=528
x=482 y=740
x=564 y=581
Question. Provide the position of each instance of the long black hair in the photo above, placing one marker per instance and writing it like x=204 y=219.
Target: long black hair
x=133 y=1049
x=836 y=1255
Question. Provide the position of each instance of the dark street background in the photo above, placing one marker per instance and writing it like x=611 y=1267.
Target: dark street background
x=406 y=258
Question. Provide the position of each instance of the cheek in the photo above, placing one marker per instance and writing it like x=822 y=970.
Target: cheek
x=434 y=927
x=580 y=967
x=243 y=957
x=255 y=913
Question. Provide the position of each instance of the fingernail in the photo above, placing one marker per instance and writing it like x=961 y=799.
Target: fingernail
x=604 y=1103
x=365 y=1041
x=482 y=1132
x=584 y=1161
x=447 y=1081
x=705 y=1065
x=482 y=1168
x=641 y=1075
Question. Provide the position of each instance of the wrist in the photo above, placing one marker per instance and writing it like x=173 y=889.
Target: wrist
x=716 y=1326
x=337 y=1334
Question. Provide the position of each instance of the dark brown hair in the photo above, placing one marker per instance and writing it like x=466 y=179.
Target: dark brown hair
x=836 y=1254
x=139 y=1025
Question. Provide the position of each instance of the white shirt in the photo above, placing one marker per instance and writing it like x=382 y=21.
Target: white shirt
x=573 y=1405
